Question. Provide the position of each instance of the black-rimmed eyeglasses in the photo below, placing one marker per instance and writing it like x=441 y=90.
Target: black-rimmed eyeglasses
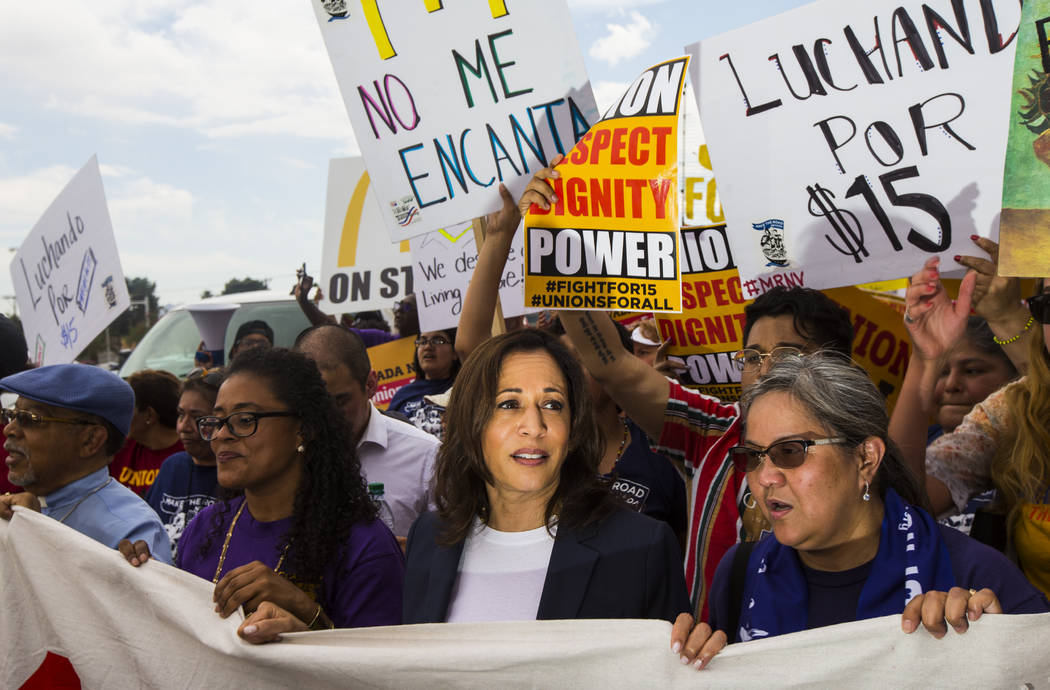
x=240 y=424
x=436 y=341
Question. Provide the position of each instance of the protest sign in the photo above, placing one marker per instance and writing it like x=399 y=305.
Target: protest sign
x=447 y=100
x=610 y=240
x=711 y=326
x=393 y=364
x=62 y=591
x=1024 y=243
x=443 y=264
x=67 y=274
x=881 y=344
x=852 y=141
x=360 y=269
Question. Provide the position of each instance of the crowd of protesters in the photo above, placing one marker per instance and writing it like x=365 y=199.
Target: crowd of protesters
x=559 y=470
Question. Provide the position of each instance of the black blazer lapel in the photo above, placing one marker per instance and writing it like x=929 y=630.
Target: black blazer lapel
x=444 y=567
x=568 y=574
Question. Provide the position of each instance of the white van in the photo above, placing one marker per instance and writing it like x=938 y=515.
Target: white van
x=172 y=342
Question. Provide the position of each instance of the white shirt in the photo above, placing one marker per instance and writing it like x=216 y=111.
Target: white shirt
x=402 y=457
x=501 y=575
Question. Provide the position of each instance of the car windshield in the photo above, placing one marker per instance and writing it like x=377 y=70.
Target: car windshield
x=172 y=342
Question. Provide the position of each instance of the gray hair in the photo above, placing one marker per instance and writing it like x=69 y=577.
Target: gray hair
x=842 y=397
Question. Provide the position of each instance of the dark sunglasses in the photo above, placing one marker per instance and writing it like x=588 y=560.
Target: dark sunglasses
x=783 y=454
x=1039 y=306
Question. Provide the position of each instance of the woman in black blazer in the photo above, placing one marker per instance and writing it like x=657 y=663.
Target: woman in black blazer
x=525 y=528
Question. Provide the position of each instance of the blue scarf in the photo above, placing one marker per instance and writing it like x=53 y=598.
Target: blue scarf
x=912 y=559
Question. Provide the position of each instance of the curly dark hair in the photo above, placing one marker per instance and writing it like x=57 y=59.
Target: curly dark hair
x=332 y=495
x=815 y=316
x=460 y=472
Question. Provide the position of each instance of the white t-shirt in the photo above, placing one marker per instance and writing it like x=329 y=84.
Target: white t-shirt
x=501 y=575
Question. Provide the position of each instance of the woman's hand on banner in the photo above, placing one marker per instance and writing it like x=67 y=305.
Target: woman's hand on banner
x=695 y=643
x=268 y=623
x=957 y=607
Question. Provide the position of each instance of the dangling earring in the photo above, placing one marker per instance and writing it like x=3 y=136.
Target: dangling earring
x=867 y=492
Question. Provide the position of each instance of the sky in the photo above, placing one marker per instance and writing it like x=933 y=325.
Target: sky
x=214 y=121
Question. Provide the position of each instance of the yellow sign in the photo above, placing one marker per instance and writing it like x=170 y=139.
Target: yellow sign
x=610 y=241
x=392 y=363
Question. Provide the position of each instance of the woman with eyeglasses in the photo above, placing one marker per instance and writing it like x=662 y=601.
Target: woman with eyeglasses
x=849 y=539
x=297 y=526
x=1004 y=442
x=436 y=364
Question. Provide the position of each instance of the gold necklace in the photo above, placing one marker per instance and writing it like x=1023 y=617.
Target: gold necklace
x=226 y=545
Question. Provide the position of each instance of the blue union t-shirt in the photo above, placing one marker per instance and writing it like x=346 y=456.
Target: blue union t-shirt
x=182 y=489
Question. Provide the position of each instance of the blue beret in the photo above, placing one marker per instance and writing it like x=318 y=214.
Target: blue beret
x=79 y=387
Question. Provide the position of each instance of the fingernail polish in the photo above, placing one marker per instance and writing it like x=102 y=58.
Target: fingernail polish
x=676 y=648
x=699 y=663
x=250 y=629
x=554 y=198
x=973 y=237
x=957 y=257
x=684 y=660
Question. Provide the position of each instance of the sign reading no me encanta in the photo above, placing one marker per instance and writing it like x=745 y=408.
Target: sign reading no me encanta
x=449 y=99
x=610 y=241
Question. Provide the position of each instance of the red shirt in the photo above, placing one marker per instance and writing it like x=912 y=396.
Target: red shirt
x=699 y=431
x=135 y=466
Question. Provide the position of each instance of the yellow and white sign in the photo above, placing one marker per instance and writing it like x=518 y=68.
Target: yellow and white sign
x=610 y=241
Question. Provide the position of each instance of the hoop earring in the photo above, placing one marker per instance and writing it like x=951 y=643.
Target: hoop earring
x=753 y=504
x=867 y=492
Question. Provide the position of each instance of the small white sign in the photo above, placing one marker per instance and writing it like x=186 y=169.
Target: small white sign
x=449 y=99
x=360 y=269
x=443 y=265
x=67 y=274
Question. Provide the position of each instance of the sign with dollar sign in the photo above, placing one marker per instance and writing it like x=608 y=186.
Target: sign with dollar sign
x=852 y=141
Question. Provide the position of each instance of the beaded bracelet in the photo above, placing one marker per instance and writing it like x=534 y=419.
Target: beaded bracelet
x=1027 y=326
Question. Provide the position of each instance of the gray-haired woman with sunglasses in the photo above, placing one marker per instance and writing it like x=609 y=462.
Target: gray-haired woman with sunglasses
x=849 y=539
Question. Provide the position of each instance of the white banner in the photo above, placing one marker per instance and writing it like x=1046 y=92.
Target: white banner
x=67 y=273
x=449 y=99
x=443 y=264
x=853 y=140
x=155 y=627
x=360 y=269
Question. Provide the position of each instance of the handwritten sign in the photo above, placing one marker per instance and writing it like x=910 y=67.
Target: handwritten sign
x=443 y=264
x=447 y=100
x=610 y=241
x=67 y=274
x=854 y=140
x=360 y=271
x=1024 y=244
x=392 y=363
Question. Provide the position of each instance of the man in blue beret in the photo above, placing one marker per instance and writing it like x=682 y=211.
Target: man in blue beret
x=68 y=422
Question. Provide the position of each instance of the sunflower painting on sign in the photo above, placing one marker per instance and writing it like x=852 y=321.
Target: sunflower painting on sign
x=1024 y=248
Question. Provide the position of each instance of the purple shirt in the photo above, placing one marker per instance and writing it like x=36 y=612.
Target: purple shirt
x=361 y=588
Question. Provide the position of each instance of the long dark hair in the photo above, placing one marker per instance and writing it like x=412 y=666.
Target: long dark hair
x=449 y=333
x=461 y=475
x=332 y=495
